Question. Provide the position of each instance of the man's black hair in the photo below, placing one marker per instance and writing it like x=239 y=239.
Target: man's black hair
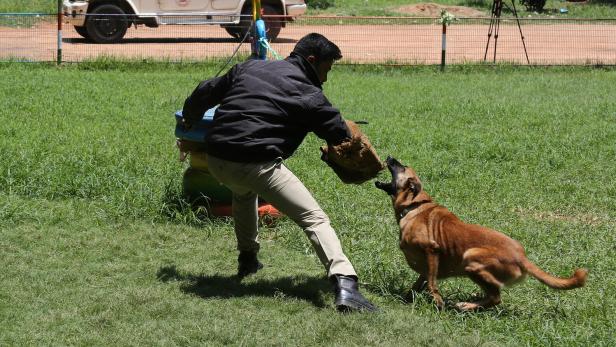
x=319 y=46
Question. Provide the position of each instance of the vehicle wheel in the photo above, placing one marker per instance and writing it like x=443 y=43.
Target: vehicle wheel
x=235 y=31
x=272 y=24
x=107 y=29
x=238 y=30
x=83 y=32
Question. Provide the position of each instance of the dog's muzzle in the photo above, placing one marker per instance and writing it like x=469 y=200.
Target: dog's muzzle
x=387 y=187
x=394 y=167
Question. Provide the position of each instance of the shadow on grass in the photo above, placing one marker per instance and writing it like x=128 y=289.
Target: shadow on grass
x=499 y=311
x=310 y=289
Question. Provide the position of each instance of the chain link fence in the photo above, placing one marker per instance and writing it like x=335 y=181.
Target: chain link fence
x=363 y=40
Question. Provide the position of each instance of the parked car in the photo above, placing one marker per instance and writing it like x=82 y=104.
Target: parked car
x=106 y=21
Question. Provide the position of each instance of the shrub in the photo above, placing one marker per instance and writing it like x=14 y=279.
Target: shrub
x=319 y=4
x=533 y=5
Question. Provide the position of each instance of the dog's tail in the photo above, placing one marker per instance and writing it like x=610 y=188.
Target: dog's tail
x=577 y=280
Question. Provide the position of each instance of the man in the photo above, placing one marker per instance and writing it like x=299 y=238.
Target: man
x=266 y=109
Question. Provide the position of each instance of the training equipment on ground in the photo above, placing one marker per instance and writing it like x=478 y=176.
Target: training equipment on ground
x=199 y=187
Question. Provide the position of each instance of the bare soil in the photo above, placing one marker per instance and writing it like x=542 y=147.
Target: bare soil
x=554 y=43
x=434 y=10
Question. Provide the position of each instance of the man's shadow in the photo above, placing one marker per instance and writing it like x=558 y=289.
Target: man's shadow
x=310 y=289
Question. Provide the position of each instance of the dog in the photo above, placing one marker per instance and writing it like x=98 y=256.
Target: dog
x=437 y=244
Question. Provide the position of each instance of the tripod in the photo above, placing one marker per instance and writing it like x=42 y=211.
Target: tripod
x=497 y=6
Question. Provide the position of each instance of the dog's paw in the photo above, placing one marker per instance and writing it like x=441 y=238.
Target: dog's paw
x=438 y=301
x=440 y=305
x=467 y=306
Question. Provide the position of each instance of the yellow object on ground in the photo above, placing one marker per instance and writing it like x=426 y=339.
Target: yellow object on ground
x=198 y=160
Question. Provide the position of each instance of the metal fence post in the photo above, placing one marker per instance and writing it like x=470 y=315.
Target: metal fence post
x=444 y=46
x=59 y=54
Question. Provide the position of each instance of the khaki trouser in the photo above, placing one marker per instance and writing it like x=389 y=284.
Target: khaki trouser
x=277 y=185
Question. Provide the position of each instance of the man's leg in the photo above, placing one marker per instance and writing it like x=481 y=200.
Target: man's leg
x=246 y=220
x=279 y=186
x=245 y=215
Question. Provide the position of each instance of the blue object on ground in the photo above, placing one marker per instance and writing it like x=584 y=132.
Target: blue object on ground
x=261 y=35
x=197 y=132
x=564 y=10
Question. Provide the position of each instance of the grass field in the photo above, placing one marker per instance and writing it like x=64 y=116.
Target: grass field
x=98 y=249
x=589 y=9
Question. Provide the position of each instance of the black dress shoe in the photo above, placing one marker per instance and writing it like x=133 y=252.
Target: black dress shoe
x=348 y=297
x=248 y=263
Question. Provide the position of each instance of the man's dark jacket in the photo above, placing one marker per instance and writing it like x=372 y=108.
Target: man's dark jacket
x=266 y=110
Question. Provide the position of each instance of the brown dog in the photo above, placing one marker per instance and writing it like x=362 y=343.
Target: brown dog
x=437 y=244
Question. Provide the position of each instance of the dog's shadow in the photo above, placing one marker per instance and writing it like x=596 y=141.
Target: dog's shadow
x=309 y=289
x=422 y=297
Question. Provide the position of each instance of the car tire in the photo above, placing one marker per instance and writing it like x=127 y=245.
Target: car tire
x=82 y=31
x=272 y=24
x=238 y=31
x=234 y=31
x=107 y=29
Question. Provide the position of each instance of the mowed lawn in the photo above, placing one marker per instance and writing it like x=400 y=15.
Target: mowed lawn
x=552 y=8
x=97 y=246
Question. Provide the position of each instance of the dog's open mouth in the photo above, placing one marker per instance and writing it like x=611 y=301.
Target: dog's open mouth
x=388 y=187
x=394 y=167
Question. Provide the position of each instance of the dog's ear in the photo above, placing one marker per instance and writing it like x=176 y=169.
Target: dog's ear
x=414 y=186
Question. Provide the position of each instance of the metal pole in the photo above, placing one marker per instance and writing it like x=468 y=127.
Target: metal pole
x=496 y=36
x=444 y=46
x=490 y=29
x=59 y=54
x=256 y=15
x=515 y=12
x=499 y=8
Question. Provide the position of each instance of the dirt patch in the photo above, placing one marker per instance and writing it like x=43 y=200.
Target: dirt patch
x=557 y=43
x=434 y=10
x=586 y=218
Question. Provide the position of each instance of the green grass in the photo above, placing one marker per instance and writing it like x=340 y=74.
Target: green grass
x=97 y=248
x=591 y=9
x=36 y=6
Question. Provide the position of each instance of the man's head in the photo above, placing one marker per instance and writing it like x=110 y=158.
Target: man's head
x=319 y=51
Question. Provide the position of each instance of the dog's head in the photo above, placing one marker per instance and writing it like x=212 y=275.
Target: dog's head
x=404 y=181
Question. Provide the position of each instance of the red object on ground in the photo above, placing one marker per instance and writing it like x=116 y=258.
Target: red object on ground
x=264 y=210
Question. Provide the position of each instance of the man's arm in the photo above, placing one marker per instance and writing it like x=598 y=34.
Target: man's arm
x=325 y=120
x=208 y=94
x=348 y=151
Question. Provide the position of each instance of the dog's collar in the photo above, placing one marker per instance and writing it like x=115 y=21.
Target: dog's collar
x=413 y=206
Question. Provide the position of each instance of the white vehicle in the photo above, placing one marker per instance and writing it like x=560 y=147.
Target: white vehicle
x=106 y=21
